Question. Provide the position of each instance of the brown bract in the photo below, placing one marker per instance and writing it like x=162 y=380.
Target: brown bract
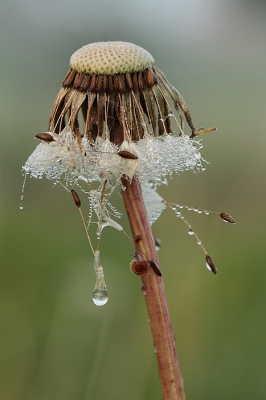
x=116 y=106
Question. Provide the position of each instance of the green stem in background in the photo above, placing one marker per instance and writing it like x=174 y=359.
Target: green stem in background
x=153 y=289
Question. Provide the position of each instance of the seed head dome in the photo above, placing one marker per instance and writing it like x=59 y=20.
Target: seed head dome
x=111 y=58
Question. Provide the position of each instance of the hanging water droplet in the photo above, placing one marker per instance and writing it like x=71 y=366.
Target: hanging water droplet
x=173 y=207
x=199 y=211
x=178 y=213
x=199 y=242
x=100 y=293
x=157 y=244
x=207 y=212
x=196 y=209
x=190 y=232
x=100 y=296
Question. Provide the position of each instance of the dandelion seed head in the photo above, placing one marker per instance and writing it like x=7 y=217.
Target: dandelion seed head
x=113 y=117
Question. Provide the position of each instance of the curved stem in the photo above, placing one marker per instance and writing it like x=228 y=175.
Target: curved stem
x=153 y=288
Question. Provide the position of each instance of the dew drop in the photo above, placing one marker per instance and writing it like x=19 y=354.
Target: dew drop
x=190 y=232
x=199 y=242
x=207 y=212
x=143 y=289
x=199 y=211
x=100 y=296
x=196 y=209
x=100 y=293
x=22 y=192
x=157 y=242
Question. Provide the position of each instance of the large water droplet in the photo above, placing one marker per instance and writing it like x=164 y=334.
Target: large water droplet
x=190 y=231
x=100 y=296
x=100 y=293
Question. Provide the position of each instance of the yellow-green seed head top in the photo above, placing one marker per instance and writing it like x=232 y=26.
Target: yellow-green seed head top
x=111 y=58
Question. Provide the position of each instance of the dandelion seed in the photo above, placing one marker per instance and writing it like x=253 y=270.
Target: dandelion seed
x=227 y=218
x=210 y=264
x=155 y=268
x=46 y=137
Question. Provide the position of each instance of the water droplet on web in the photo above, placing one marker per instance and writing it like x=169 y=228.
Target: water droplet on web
x=190 y=232
x=196 y=209
x=199 y=211
x=199 y=242
x=207 y=212
x=22 y=191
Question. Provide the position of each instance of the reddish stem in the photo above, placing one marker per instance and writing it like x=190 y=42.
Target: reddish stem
x=153 y=288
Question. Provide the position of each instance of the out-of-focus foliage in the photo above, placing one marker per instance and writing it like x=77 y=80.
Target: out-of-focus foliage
x=55 y=343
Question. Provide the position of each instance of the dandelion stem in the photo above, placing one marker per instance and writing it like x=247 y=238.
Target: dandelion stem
x=153 y=287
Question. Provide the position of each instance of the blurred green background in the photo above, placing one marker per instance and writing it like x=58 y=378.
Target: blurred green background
x=55 y=343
